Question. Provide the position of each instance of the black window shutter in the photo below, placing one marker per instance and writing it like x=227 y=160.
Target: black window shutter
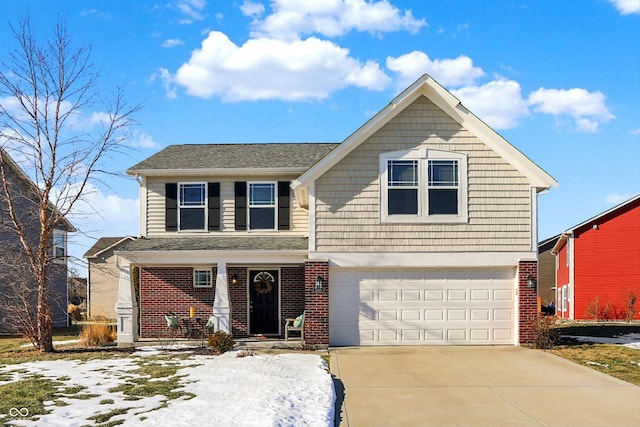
x=171 y=207
x=241 y=205
x=213 y=192
x=283 y=205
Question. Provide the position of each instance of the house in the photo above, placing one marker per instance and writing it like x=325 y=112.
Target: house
x=598 y=266
x=419 y=228
x=17 y=289
x=102 y=277
x=547 y=274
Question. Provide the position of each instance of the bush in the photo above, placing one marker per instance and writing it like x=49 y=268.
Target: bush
x=545 y=335
x=631 y=306
x=221 y=342
x=97 y=334
x=74 y=312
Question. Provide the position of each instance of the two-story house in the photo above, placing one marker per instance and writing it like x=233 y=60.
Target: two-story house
x=18 y=290
x=419 y=228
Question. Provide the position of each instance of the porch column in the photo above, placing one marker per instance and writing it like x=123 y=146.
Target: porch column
x=316 y=302
x=126 y=306
x=221 y=306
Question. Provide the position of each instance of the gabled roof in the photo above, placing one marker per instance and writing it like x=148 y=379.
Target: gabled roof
x=432 y=90
x=198 y=159
x=4 y=156
x=595 y=220
x=104 y=244
x=547 y=244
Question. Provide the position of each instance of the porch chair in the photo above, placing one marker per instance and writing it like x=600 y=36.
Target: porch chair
x=294 y=325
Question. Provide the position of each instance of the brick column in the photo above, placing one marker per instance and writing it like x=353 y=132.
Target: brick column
x=316 y=304
x=527 y=300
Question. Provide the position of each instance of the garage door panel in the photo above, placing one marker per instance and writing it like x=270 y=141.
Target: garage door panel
x=421 y=307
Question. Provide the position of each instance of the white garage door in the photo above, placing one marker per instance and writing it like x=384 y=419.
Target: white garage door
x=421 y=307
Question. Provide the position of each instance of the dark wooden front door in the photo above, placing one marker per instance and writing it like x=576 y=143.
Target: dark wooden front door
x=263 y=302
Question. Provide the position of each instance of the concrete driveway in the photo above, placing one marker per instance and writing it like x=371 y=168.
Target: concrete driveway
x=475 y=386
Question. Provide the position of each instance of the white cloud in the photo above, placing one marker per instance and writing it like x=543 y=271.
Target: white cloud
x=448 y=72
x=616 y=198
x=142 y=140
x=266 y=68
x=172 y=43
x=627 y=7
x=586 y=109
x=252 y=9
x=331 y=18
x=498 y=103
x=191 y=9
x=635 y=132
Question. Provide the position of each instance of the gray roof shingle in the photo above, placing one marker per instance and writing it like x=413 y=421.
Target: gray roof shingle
x=102 y=244
x=235 y=156
x=218 y=243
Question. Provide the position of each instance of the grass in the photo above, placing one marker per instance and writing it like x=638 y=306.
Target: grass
x=615 y=360
x=29 y=393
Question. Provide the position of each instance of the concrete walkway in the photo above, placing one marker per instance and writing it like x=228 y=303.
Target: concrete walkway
x=475 y=386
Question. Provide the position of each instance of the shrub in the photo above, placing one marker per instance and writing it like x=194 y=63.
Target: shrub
x=221 y=342
x=74 y=312
x=545 y=335
x=631 y=306
x=97 y=334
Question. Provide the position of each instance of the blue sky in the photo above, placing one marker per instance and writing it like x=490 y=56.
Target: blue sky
x=560 y=80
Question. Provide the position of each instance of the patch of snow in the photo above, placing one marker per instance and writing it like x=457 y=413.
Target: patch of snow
x=604 y=365
x=628 y=340
x=281 y=390
x=55 y=343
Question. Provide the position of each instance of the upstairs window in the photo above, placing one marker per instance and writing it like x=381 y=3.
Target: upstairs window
x=423 y=186
x=192 y=201
x=59 y=243
x=262 y=206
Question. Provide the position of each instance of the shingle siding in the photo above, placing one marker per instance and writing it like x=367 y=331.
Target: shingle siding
x=347 y=197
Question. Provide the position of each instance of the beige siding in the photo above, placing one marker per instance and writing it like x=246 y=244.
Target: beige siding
x=103 y=286
x=156 y=205
x=348 y=195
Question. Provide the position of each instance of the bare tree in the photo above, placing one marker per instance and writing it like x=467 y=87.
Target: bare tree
x=47 y=89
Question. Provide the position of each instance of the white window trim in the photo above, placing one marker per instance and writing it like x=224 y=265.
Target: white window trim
x=275 y=206
x=200 y=269
x=205 y=207
x=56 y=233
x=423 y=155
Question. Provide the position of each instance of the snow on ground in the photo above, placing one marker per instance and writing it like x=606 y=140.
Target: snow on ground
x=628 y=340
x=282 y=390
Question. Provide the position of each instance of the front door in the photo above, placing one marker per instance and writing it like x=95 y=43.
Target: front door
x=263 y=302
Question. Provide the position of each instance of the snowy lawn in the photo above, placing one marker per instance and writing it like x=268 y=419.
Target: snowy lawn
x=628 y=340
x=153 y=387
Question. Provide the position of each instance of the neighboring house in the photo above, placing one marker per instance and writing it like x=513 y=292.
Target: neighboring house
x=547 y=274
x=103 y=275
x=17 y=283
x=598 y=265
x=419 y=228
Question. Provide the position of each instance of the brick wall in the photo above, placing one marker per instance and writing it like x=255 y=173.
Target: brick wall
x=170 y=289
x=527 y=300
x=291 y=293
x=316 y=322
x=238 y=301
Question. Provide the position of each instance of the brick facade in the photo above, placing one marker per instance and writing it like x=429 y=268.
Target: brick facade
x=527 y=301
x=316 y=322
x=170 y=289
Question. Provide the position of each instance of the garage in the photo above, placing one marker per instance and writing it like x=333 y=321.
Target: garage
x=421 y=307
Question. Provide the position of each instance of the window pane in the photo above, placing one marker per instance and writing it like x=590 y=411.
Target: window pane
x=202 y=278
x=403 y=201
x=443 y=173
x=443 y=201
x=192 y=194
x=403 y=173
x=262 y=194
x=191 y=219
x=262 y=218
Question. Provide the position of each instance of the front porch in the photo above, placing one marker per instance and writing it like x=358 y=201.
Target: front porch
x=249 y=293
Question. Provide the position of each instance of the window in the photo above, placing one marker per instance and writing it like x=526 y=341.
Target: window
x=423 y=186
x=192 y=200
x=262 y=205
x=59 y=243
x=202 y=278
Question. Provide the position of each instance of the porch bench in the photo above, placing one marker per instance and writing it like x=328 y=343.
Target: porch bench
x=294 y=325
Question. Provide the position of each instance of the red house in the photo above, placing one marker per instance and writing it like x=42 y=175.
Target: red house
x=598 y=266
